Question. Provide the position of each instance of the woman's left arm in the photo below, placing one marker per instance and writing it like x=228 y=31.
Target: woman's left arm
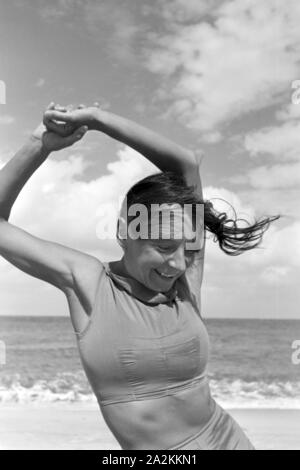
x=162 y=152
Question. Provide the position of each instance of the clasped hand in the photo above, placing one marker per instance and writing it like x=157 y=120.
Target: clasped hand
x=63 y=126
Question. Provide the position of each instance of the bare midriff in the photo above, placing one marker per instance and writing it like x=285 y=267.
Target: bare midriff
x=160 y=423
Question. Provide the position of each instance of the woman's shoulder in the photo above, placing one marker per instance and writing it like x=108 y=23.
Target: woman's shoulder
x=87 y=274
x=82 y=296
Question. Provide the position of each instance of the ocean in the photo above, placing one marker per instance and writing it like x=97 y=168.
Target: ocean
x=250 y=363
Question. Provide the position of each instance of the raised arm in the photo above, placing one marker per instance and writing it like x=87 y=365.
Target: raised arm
x=27 y=160
x=161 y=151
x=72 y=271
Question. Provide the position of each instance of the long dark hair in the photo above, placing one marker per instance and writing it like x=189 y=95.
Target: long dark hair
x=171 y=188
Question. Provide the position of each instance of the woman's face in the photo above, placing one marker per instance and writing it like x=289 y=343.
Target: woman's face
x=159 y=262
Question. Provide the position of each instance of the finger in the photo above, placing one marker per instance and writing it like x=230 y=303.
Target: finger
x=69 y=127
x=80 y=132
x=76 y=136
x=59 y=129
x=50 y=105
x=46 y=120
x=54 y=115
x=46 y=117
x=60 y=108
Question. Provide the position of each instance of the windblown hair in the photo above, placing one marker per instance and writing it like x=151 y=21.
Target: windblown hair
x=171 y=188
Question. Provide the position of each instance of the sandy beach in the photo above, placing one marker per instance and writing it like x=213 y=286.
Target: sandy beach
x=79 y=426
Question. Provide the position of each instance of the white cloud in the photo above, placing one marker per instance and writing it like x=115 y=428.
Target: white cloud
x=292 y=111
x=271 y=177
x=217 y=72
x=281 y=242
x=273 y=201
x=221 y=196
x=211 y=137
x=281 y=142
x=276 y=258
x=229 y=202
x=281 y=248
x=182 y=11
x=275 y=274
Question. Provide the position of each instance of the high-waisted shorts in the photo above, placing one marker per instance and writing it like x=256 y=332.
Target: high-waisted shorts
x=221 y=432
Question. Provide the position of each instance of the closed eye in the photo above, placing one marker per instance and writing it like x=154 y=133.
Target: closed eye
x=166 y=249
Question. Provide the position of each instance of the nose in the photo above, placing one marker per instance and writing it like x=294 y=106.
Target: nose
x=177 y=260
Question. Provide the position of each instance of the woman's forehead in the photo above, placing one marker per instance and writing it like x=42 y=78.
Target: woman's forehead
x=166 y=234
x=165 y=222
x=172 y=222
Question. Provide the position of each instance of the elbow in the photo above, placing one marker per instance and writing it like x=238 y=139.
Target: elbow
x=194 y=159
x=198 y=156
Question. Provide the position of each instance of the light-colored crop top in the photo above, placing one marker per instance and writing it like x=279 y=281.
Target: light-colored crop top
x=136 y=347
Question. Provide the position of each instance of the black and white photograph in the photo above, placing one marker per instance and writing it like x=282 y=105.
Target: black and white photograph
x=149 y=225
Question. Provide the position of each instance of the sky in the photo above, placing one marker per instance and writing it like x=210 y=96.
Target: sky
x=214 y=76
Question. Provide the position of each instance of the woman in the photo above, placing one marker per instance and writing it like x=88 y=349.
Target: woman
x=138 y=324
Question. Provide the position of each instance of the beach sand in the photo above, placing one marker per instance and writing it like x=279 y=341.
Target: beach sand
x=81 y=427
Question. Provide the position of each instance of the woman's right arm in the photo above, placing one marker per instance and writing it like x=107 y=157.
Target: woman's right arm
x=17 y=171
x=70 y=270
x=73 y=272
x=29 y=158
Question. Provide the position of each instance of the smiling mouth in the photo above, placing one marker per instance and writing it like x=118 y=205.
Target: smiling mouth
x=164 y=275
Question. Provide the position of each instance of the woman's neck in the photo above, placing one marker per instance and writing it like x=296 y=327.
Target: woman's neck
x=119 y=267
